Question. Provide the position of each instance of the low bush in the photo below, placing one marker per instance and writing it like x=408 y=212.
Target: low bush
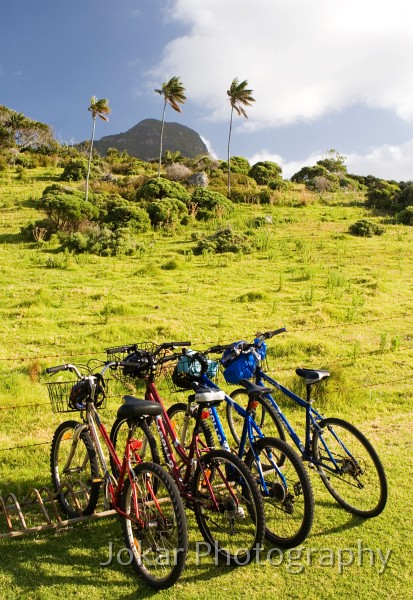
x=210 y=204
x=365 y=228
x=223 y=240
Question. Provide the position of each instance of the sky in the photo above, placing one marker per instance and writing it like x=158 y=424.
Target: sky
x=325 y=74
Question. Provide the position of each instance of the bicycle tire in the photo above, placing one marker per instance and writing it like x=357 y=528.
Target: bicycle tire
x=266 y=416
x=118 y=436
x=162 y=533
x=288 y=503
x=176 y=412
x=366 y=471
x=231 y=544
x=82 y=495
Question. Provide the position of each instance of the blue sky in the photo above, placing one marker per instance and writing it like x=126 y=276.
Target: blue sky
x=325 y=74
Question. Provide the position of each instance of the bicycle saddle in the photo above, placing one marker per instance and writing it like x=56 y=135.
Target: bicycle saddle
x=312 y=375
x=135 y=407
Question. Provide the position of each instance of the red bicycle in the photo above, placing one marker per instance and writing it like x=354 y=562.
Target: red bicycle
x=215 y=484
x=142 y=493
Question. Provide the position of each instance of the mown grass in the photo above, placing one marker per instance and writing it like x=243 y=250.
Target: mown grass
x=347 y=305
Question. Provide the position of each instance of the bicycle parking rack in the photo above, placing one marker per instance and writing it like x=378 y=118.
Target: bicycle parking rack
x=42 y=503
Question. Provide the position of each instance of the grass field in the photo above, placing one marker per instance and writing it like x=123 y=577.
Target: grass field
x=347 y=305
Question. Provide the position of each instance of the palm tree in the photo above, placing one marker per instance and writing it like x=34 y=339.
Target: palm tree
x=98 y=108
x=239 y=96
x=16 y=123
x=173 y=93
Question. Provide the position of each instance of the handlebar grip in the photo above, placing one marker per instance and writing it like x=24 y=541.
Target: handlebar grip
x=117 y=349
x=269 y=334
x=178 y=344
x=218 y=349
x=168 y=358
x=51 y=370
x=278 y=331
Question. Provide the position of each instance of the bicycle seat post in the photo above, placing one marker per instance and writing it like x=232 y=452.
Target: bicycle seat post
x=308 y=387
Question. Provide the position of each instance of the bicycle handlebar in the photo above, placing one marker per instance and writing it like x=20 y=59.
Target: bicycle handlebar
x=269 y=334
x=220 y=348
x=51 y=370
x=66 y=367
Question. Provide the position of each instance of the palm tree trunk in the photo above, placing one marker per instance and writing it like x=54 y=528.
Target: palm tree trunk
x=90 y=159
x=160 y=149
x=229 y=156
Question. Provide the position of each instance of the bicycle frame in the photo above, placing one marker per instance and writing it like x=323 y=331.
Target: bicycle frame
x=170 y=441
x=311 y=422
x=249 y=427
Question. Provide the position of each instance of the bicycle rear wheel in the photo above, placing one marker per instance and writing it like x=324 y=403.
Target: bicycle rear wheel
x=265 y=417
x=184 y=431
x=359 y=483
x=73 y=467
x=228 y=507
x=119 y=434
x=155 y=530
x=286 y=491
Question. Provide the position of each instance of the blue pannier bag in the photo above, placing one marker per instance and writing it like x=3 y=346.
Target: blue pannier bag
x=240 y=364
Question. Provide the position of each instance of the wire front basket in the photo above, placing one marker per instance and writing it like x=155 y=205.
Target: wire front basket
x=59 y=394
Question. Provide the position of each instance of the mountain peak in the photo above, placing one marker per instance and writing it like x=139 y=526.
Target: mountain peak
x=143 y=140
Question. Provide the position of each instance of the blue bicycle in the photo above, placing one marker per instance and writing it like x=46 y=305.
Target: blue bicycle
x=346 y=461
x=279 y=472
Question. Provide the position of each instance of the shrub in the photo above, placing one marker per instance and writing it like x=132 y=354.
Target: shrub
x=265 y=171
x=170 y=265
x=177 y=172
x=75 y=170
x=365 y=228
x=223 y=240
x=167 y=212
x=103 y=242
x=406 y=195
x=325 y=183
x=307 y=174
x=405 y=216
x=66 y=209
x=383 y=195
x=116 y=212
x=238 y=164
x=210 y=204
x=157 y=188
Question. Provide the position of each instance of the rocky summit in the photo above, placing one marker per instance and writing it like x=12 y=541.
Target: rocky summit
x=143 y=140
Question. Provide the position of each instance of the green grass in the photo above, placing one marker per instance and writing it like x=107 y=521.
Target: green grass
x=347 y=304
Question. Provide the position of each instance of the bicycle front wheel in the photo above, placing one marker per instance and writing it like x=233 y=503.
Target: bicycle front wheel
x=74 y=465
x=154 y=529
x=286 y=491
x=228 y=507
x=357 y=480
x=265 y=417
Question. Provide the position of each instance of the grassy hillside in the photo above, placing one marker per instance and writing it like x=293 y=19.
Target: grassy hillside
x=347 y=305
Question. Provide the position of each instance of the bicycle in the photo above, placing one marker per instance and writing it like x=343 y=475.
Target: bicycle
x=346 y=461
x=280 y=475
x=144 y=496
x=213 y=483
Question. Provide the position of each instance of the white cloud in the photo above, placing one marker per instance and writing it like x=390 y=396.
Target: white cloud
x=302 y=58
x=208 y=144
x=386 y=162
x=288 y=167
